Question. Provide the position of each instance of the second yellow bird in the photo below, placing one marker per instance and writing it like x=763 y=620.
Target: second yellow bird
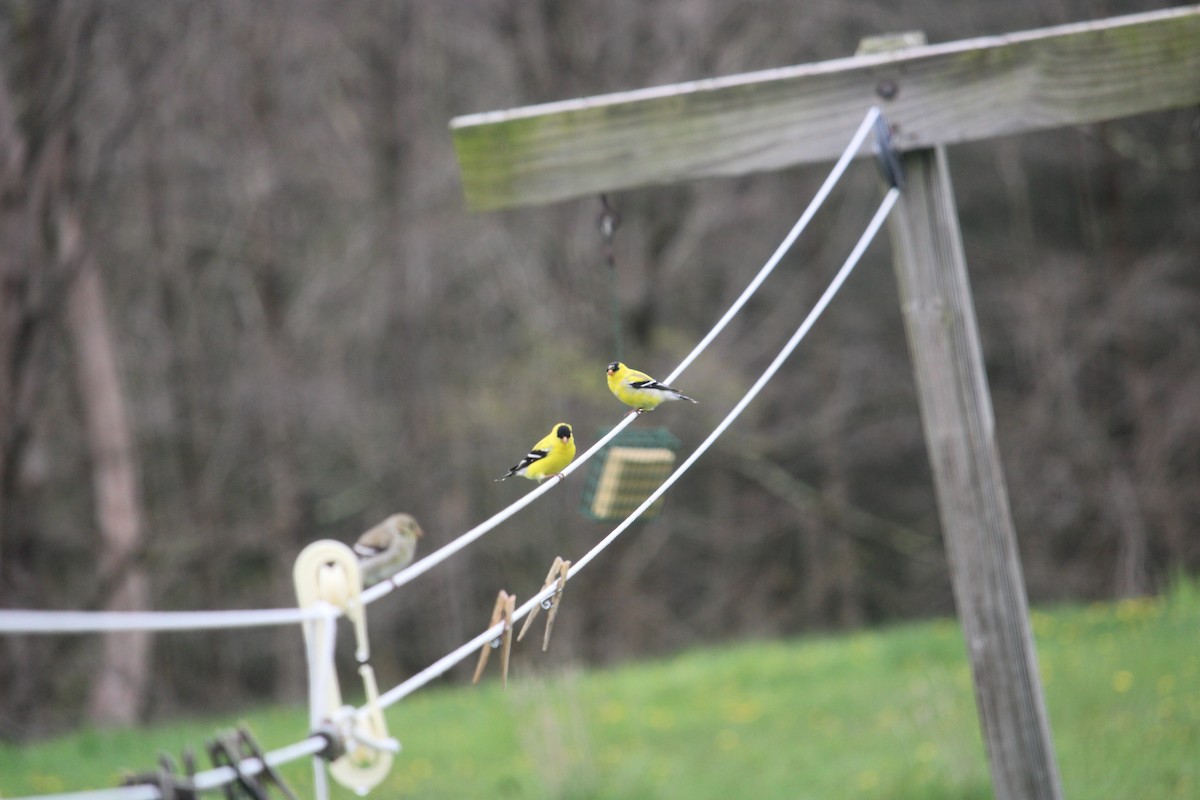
x=638 y=390
x=548 y=457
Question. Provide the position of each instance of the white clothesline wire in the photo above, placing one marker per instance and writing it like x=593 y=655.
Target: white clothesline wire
x=835 y=174
x=26 y=621
x=433 y=559
x=202 y=781
x=220 y=776
x=448 y=661
x=37 y=622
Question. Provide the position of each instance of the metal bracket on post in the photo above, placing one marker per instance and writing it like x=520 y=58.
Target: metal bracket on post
x=887 y=158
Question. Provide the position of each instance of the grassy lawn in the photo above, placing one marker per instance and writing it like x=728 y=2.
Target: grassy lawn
x=885 y=714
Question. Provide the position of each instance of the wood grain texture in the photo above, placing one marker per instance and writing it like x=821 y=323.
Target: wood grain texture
x=943 y=94
x=977 y=524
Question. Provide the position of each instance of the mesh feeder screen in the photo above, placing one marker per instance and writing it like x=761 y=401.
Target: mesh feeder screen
x=626 y=471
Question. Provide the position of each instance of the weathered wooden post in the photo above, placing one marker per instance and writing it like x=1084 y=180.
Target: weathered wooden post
x=981 y=542
x=956 y=412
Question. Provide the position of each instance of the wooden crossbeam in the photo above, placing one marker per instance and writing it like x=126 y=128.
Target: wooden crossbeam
x=933 y=95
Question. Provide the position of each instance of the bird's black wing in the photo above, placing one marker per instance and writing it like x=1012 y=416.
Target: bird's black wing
x=530 y=457
x=651 y=384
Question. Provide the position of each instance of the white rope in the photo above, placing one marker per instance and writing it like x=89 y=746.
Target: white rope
x=433 y=559
x=430 y=561
x=22 y=621
x=885 y=208
x=143 y=792
x=818 y=200
x=26 y=621
x=447 y=662
x=203 y=781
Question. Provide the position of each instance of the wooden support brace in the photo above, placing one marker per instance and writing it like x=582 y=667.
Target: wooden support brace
x=981 y=543
x=763 y=121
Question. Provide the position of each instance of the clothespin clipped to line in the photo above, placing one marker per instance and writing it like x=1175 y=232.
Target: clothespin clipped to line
x=230 y=749
x=169 y=786
x=360 y=751
x=502 y=612
x=560 y=570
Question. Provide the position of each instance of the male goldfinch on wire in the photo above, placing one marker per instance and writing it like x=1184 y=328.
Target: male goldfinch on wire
x=547 y=457
x=638 y=390
x=390 y=545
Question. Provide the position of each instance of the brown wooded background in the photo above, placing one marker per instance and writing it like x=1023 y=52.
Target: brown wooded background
x=242 y=307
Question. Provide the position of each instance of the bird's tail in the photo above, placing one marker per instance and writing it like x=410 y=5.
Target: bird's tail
x=683 y=396
x=510 y=474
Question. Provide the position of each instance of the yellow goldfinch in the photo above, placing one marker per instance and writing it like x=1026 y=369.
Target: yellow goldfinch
x=388 y=547
x=638 y=390
x=547 y=457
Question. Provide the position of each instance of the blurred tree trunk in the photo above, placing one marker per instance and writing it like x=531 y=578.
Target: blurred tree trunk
x=48 y=276
x=119 y=689
x=18 y=346
x=14 y=316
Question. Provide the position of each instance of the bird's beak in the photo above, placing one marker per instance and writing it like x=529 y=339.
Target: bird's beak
x=564 y=439
x=610 y=372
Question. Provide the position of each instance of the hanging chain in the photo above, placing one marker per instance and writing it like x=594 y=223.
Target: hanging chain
x=610 y=220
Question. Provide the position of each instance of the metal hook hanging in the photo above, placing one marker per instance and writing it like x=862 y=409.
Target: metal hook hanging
x=610 y=220
x=887 y=158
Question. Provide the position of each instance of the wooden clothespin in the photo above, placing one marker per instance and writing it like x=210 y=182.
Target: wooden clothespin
x=559 y=571
x=506 y=604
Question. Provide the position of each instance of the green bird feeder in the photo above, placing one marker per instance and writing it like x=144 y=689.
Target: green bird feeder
x=626 y=471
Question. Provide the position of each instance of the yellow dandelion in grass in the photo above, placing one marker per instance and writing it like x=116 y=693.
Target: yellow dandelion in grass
x=1043 y=623
x=1121 y=681
x=661 y=719
x=828 y=724
x=863 y=648
x=1047 y=673
x=43 y=783
x=1136 y=608
x=1166 y=708
x=887 y=719
x=612 y=713
x=867 y=779
x=962 y=677
x=743 y=711
x=611 y=756
x=420 y=769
